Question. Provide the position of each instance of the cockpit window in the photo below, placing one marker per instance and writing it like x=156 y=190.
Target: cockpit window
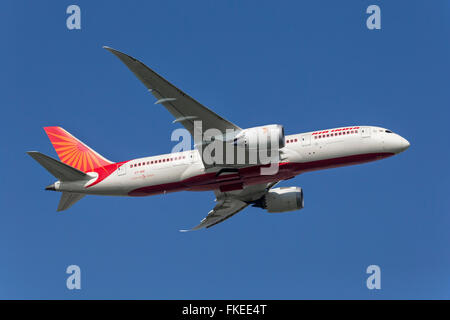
x=388 y=131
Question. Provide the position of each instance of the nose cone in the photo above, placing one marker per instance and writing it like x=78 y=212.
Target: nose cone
x=395 y=143
x=403 y=144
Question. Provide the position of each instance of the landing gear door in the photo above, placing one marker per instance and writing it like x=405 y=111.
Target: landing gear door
x=365 y=132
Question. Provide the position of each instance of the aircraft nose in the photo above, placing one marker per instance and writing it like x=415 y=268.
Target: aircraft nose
x=395 y=143
x=398 y=144
x=404 y=144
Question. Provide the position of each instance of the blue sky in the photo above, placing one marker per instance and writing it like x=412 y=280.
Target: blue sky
x=307 y=65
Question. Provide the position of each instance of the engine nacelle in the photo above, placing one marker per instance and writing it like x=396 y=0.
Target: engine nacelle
x=270 y=137
x=282 y=199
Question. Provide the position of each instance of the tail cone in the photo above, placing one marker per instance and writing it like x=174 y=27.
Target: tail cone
x=51 y=187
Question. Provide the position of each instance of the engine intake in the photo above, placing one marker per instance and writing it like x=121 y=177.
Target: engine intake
x=270 y=137
x=282 y=200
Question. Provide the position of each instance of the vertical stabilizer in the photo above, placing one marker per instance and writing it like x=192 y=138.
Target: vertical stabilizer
x=73 y=152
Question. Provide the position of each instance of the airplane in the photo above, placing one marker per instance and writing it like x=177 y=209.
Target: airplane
x=82 y=171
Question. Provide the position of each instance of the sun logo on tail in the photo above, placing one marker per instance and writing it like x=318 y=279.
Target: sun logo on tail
x=73 y=152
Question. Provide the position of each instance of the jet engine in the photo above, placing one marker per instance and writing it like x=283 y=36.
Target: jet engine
x=281 y=200
x=270 y=137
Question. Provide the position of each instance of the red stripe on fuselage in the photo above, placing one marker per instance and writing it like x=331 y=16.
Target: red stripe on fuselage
x=105 y=171
x=252 y=175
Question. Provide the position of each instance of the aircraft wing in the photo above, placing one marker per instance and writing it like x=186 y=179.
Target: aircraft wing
x=184 y=108
x=223 y=210
x=230 y=203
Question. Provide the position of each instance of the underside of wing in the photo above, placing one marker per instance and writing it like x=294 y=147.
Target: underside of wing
x=230 y=203
x=185 y=109
x=223 y=210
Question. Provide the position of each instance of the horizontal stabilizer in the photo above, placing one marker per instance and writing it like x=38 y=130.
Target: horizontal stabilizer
x=68 y=199
x=59 y=170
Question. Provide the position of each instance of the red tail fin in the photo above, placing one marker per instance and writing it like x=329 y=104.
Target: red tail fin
x=73 y=152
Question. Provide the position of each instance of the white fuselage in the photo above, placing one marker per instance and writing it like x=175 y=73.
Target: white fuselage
x=185 y=170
